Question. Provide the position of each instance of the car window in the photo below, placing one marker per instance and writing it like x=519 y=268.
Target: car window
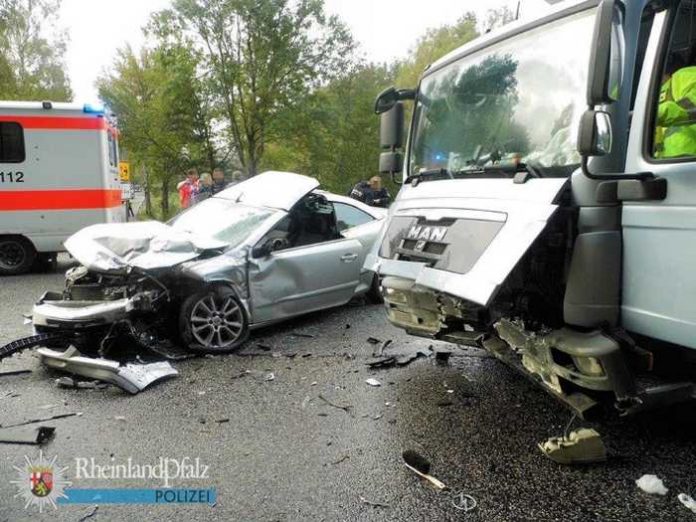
x=311 y=221
x=11 y=142
x=347 y=216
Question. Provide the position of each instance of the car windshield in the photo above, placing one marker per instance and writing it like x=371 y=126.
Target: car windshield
x=516 y=101
x=221 y=219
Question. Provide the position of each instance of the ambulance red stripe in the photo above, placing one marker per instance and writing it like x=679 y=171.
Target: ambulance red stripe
x=69 y=199
x=57 y=122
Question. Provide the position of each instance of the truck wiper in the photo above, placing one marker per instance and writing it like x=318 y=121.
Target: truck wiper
x=421 y=175
x=504 y=170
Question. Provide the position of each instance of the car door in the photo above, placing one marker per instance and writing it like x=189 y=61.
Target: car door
x=659 y=236
x=304 y=279
x=355 y=223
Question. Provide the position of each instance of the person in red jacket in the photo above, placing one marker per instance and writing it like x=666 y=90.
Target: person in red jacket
x=188 y=188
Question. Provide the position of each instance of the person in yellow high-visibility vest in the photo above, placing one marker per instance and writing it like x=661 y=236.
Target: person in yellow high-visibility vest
x=675 y=133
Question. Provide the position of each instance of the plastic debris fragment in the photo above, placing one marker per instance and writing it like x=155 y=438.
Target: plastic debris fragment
x=652 y=485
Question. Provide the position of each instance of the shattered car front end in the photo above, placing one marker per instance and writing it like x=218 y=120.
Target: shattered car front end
x=130 y=285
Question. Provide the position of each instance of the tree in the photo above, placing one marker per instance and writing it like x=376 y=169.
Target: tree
x=434 y=45
x=263 y=56
x=334 y=135
x=156 y=98
x=31 y=64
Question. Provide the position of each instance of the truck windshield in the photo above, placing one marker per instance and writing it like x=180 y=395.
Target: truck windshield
x=519 y=100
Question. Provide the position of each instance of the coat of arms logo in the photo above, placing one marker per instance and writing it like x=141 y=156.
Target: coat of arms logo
x=40 y=482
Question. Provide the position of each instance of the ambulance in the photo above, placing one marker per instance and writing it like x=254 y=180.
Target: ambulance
x=59 y=172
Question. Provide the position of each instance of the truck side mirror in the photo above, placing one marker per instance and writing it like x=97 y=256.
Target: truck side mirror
x=595 y=135
x=606 y=59
x=391 y=127
x=390 y=162
x=391 y=137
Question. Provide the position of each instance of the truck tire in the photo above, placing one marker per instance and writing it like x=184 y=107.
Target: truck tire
x=213 y=321
x=17 y=255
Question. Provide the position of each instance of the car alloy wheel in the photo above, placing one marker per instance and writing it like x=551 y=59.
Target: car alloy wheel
x=213 y=321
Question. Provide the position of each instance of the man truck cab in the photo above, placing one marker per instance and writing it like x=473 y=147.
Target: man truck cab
x=545 y=214
x=58 y=174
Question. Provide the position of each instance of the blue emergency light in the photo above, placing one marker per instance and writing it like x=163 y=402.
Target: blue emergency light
x=93 y=109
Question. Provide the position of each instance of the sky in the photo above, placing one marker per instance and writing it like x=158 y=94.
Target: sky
x=385 y=29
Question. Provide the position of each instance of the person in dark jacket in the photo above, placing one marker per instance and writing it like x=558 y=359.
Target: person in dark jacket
x=219 y=183
x=371 y=192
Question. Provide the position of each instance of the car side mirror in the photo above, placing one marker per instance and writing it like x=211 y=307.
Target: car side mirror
x=595 y=135
x=269 y=246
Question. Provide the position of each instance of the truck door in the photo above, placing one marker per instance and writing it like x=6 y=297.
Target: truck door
x=659 y=236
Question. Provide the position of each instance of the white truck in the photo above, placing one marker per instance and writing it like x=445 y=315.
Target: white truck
x=58 y=174
x=548 y=206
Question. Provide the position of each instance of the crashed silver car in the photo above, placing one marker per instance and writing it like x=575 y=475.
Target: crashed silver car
x=264 y=250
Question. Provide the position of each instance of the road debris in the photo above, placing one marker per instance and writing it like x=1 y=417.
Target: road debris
x=131 y=377
x=334 y=405
x=120 y=418
x=687 y=501
x=44 y=419
x=372 y=503
x=35 y=435
x=373 y=382
x=342 y=459
x=66 y=382
x=8 y=373
x=582 y=446
x=442 y=356
x=302 y=334
x=90 y=514
x=421 y=467
x=373 y=340
x=377 y=352
x=464 y=502
x=269 y=377
x=652 y=485
x=384 y=362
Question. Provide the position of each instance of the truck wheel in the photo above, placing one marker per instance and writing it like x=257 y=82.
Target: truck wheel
x=213 y=321
x=17 y=255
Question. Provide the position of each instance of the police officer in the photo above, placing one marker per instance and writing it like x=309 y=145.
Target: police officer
x=371 y=192
x=675 y=134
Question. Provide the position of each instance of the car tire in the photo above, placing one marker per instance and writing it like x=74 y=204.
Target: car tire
x=213 y=321
x=17 y=255
x=374 y=296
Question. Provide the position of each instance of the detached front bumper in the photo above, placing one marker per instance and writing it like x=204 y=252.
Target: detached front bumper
x=51 y=311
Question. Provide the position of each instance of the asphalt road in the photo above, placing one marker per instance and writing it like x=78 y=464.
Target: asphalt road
x=285 y=454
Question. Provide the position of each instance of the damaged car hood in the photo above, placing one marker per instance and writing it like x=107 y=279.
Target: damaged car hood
x=464 y=237
x=147 y=245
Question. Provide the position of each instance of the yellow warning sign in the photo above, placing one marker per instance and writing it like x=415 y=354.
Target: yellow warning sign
x=124 y=171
